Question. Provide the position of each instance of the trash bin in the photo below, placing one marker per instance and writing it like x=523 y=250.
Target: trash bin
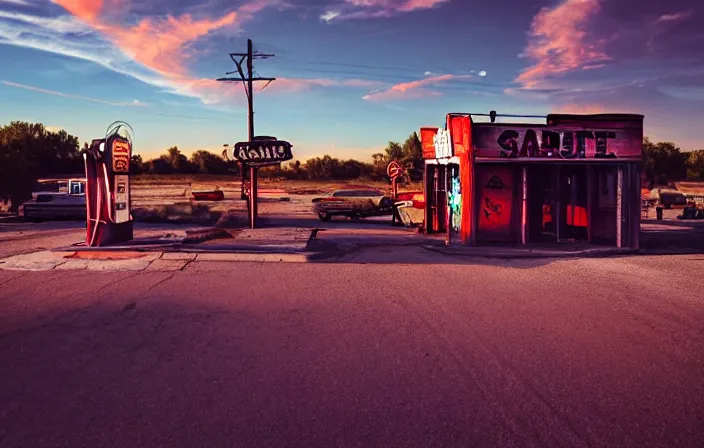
x=658 y=212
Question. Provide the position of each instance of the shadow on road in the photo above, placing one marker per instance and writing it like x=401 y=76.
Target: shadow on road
x=672 y=235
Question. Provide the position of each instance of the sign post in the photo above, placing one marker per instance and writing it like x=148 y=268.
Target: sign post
x=261 y=151
x=394 y=171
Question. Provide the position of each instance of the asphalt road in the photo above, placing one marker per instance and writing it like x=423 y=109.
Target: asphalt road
x=592 y=352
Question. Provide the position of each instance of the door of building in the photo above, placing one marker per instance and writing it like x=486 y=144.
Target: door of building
x=573 y=203
x=542 y=203
x=436 y=198
x=496 y=192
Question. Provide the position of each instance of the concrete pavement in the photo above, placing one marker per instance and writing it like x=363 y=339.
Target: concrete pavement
x=451 y=352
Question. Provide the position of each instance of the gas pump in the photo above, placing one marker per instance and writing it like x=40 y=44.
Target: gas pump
x=107 y=162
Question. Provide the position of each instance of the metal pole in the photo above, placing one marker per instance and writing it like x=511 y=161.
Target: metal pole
x=253 y=206
x=619 y=208
x=557 y=213
x=250 y=96
x=524 y=205
x=253 y=191
x=591 y=189
x=635 y=181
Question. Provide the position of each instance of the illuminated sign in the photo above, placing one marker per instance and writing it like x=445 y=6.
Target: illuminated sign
x=556 y=143
x=266 y=152
x=120 y=156
x=443 y=144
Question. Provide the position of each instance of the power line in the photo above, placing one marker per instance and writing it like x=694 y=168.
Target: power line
x=247 y=81
x=371 y=67
x=397 y=79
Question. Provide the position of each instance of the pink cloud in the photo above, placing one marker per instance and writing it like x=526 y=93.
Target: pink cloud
x=413 y=89
x=361 y=9
x=559 y=42
x=300 y=84
x=160 y=44
x=401 y=5
x=412 y=5
x=211 y=91
x=164 y=45
x=675 y=17
x=582 y=109
x=88 y=10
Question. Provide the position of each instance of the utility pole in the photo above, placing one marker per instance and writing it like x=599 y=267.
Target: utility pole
x=247 y=81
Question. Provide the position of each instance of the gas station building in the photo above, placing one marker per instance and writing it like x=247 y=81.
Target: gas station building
x=572 y=178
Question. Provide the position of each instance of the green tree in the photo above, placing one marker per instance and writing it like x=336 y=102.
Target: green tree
x=28 y=151
x=394 y=151
x=177 y=162
x=413 y=151
x=379 y=163
x=663 y=162
x=207 y=162
x=695 y=165
x=413 y=157
x=158 y=166
x=136 y=164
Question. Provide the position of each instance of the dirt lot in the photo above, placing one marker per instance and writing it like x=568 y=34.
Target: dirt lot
x=230 y=182
x=150 y=192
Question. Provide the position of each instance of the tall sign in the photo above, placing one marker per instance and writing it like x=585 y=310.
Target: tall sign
x=259 y=152
x=107 y=164
x=263 y=152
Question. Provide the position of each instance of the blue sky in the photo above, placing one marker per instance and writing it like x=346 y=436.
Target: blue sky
x=352 y=74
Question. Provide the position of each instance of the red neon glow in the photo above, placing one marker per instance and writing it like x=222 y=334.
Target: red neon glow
x=461 y=132
x=427 y=141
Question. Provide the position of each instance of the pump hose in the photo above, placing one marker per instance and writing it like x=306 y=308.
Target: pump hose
x=99 y=201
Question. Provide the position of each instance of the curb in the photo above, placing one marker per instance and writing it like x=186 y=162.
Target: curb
x=494 y=253
x=253 y=257
x=671 y=251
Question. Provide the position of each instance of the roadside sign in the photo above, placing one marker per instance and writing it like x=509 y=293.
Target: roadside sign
x=261 y=153
x=394 y=170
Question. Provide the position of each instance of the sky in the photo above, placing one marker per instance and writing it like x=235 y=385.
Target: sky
x=351 y=74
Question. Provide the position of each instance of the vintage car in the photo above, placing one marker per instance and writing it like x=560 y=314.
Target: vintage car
x=410 y=208
x=668 y=198
x=353 y=203
x=69 y=202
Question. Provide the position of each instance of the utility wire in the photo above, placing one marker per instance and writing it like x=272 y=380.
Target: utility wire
x=364 y=66
x=189 y=117
x=395 y=79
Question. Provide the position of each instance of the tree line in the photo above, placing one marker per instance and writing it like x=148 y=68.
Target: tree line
x=29 y=151
x=408 y=154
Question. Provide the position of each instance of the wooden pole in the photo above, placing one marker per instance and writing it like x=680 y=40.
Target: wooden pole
x=619 y=208
x=524 y=205
x=591 y=191
x=253 y=191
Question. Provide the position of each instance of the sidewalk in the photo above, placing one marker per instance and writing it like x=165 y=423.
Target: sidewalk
x=170 y=248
